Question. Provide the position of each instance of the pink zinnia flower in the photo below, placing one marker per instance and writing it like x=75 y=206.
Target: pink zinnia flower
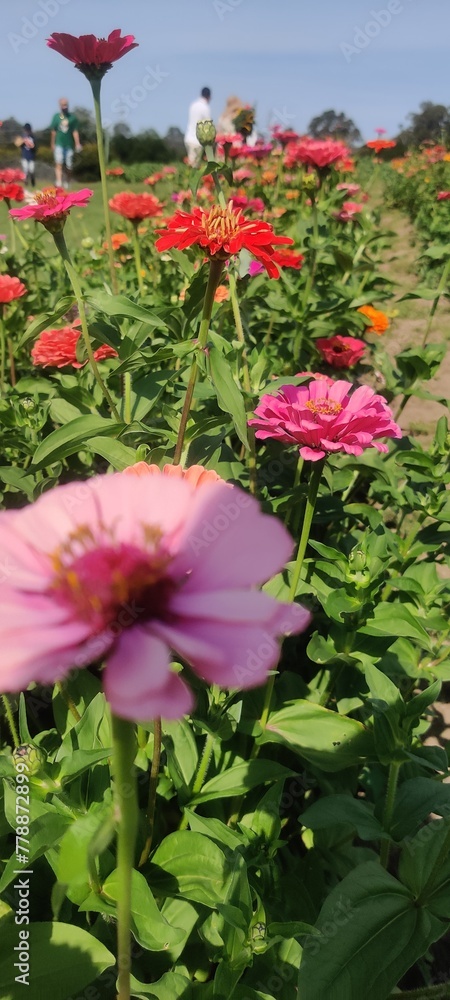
x=323 y=419
x=92 y=56
x=195 y=474
x=51 y=207
x=319 y=153
x=58 y=348
x=126 y=569
x=348 y=211
x=11 y=174
x=341 y=352
x=348 y=187
x=443 y=196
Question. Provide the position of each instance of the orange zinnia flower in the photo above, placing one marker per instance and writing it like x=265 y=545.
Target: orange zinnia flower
x=222 y=232
x=379 y=320
x=221 y=293
x=379 y=144
x=118 y=240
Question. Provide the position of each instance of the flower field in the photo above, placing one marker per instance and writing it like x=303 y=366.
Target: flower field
x=224 y=564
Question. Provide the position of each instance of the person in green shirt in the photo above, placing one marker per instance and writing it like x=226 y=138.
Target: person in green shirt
x=64 y=141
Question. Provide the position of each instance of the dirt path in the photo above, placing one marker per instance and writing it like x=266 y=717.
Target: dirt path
x=408 y=328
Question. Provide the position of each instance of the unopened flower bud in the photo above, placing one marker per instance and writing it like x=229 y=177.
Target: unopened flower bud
x=206 y=133
x=309 y=182
x=87 y=243
x=29 y=755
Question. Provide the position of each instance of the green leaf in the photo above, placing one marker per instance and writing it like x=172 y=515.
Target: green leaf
x=171 y=986
x=425 y=866
x=229 y=396
x=416 y=798
x=120 y=305
x=64 y=959
x=328 y=740
x=190 y=865
x=240 y=778
x=372 y=932
x=68 y=439
x=46 y=320
x=395 y=620
x=119 y=455
x=150 y=928
x=335 y=809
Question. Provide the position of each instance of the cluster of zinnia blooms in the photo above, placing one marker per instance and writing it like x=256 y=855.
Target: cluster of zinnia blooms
x=136 y=207
x=221 y=233
x=325 y=417
x=58 y=348
x=51 y=206
x=128 y=570
x=10 y=288
x=340 y=351
x=379 y=322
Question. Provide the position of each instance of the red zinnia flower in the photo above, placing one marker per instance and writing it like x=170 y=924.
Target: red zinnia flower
x=11 y=192
x=58 y=348
x=379 y=144
x=443 y=195
x=93 y=56
x=341 y=352
x=323 y=419
x=11 y=174
x=135 y=206
x=288 y=258
x=115 y=172
x=222 y=232
x=51 y=207
x=10 y=288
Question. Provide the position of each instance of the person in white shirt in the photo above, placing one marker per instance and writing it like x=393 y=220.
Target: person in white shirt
x=199 y=111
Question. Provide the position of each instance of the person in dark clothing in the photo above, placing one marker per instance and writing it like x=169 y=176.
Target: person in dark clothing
x=28 y=154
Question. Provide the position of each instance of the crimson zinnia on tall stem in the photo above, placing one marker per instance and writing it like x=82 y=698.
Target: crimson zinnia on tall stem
x=94 y=57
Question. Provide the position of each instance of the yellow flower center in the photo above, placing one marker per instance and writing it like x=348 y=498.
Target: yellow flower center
x=222 y=223
x=323 y=406
x=45 y=197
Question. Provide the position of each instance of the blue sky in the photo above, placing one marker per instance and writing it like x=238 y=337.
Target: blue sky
x=292 y=58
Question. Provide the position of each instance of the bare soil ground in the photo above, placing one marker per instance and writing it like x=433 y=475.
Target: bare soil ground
x=420 y=415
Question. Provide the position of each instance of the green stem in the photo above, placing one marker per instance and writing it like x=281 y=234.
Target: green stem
x=246 y=381
x=126 y=807
x=309 y=282
x=73 y=276
x=297 y=477
x=68 y=700
x=11 y=721
x=137 y=256
x=96 y=86
x=313 y=488
x=209 y=153
x=391 y=791
x=201 y=773
x=12 y=229
x=440 y=290
x=215 y=271
x=127 y=397
x=153 y=785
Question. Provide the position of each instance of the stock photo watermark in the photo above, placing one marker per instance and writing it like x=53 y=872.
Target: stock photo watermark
x=376 y=22
x=32 y=26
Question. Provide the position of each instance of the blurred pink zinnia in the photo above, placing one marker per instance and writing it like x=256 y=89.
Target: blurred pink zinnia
x=90 y=53
x=125 y=569
x=51 y=206
x=324 y=418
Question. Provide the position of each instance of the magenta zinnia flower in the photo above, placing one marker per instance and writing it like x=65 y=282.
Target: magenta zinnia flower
x=323 y=418
x=52 y=206
x=125 y=568
x=341 y=352
x=92 y=56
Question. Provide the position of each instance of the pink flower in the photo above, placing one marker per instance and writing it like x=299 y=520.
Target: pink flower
x=443 y=196
x=319 y=153
x=10 y=288
x=323 y=418
x=124 y=569
x=92 y=55
x=348 y=187
x=51 y=207
x=11 y=174
x=348 y=211
x=195 y=474
x=255 y=268
x=341 y=352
